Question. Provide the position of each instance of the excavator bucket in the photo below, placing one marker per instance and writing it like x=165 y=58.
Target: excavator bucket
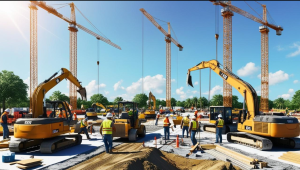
x=189 y=80
x=82 y=92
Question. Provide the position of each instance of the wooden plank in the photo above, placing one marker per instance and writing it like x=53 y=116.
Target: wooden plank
x=289 y=160
x=210 y=129
x=236 y=155
x=26 y=161
x=29 y=166
x=290 y=157
x=191 y=150
x=208 y=146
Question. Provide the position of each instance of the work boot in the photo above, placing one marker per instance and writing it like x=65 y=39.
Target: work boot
x=88 y=137
x=110 y=151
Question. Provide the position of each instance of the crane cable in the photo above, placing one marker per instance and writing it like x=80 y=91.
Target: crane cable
x=98 y=62
x=142 y=54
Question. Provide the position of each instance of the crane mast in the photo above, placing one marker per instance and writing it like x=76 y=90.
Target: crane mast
x=168 y=40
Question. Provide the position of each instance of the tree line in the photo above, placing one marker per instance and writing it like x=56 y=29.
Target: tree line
x=13 y=93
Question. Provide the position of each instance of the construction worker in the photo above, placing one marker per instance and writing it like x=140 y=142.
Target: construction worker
x=82 y=107
x=185 y=125
x=196 y=113
x=83 y=125
x=287 y=111
x=3 y=121
x=74 y=116
x=130 y=112
x=107 y=128
x=157 y=117
x=193 y=130
x=219 y=127
x=167 y=127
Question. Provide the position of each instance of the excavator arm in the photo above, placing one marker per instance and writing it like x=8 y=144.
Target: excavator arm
x=244 y=88
x=100 y=105
x=152 y=97
x=41 y=90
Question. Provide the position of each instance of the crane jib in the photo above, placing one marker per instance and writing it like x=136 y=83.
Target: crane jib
x=223 y=75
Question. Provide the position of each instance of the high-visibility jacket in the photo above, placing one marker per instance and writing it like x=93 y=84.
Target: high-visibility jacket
x=74 y=116
x=130 y=113
x=166 y=122
x=220 y=123
x=106 y=127
x=186 y=121
x=157 y=116
x=1 y=120
x=194 y=123
x=82 y=125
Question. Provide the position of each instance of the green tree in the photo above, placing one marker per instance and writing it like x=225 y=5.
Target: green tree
x=173 y=101
x=179 y=103
x=203 y=101
x=217 y=100
x=57 y=95
x=194 y=101
x=188 y=103
x=279 y=103
x=99 y=98
x=118 y=99
x=18 y=103
x=86 y=104
x=141 y=99
x=296 y=100
x=12 y=87
x=163 y=103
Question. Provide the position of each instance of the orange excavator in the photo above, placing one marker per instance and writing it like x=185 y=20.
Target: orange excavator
x=47 y=133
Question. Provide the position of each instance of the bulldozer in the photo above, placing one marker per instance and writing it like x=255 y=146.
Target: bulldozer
x=254 y=129
x=129 y=126
x=43 y=132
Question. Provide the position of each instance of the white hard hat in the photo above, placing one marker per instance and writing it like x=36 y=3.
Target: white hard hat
x=74 y=113
x=7 y=110
x=109 y=115
x=194 y=117
x=131 y=110
x=167 y=115
x=219 y=115
x=188 y=115
x=158 y=113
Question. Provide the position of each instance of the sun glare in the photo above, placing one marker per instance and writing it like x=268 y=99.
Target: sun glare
x=7 y=6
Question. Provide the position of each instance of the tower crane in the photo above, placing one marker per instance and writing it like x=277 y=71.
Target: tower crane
x=73 y=28
x=264 y=103
x=168 y=40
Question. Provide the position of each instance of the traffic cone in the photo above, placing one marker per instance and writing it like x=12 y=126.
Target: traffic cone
x=155 y=142
x=177 y=141
x=143 y=143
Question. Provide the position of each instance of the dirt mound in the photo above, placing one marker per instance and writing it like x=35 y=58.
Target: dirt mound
x=132 y=156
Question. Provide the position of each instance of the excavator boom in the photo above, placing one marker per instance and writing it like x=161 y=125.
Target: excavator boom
x=100 y=105
x=40 y=92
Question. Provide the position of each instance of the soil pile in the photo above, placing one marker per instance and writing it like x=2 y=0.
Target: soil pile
x=132 y=156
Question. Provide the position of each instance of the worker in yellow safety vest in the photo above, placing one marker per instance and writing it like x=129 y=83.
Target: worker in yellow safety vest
x=83 y=125
x=219 y=128
x=193 y=129
x=107 y=128
x=185 y=125
x=167 y=127
x=130 y=113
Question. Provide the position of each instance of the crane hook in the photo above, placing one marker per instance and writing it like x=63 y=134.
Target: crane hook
x=217 y=36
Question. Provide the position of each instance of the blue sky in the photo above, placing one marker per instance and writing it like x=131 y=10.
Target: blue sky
x=121 y=70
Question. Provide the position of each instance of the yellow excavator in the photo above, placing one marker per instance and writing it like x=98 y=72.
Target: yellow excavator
x=255 y=130
x=150 y=112
x=92 y=115
x=44 y=132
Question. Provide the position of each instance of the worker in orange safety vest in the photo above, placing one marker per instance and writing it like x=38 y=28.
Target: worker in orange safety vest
x=167 y=127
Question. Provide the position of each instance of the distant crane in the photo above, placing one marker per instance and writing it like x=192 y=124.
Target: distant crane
x=227 y=47
x=73 y=25
x=168 y=40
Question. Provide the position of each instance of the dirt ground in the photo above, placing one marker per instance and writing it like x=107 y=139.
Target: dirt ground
x=132 y=156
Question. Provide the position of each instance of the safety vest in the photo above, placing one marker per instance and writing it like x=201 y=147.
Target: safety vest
x=130 y=113
x=220 y=123
x=186 y=121
x=82 y=124
x=3 y=114
x=194 y=127
x=106 y=127
x=166 y=122
x=74 y=117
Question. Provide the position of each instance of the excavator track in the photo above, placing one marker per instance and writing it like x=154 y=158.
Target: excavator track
x=21 y=145
x=293 y=143
x=250 y=140
x=59 y=143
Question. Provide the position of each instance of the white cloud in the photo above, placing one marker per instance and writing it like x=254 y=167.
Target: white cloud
x=288 y=95
x=215 y=90
x=196 y=83
x=156 y=84
x=277 y=77
x=296 y=81
x=247 y=70
x=92 y=88
x=194 y=92
x=295 y=53
x=291 y=91
x=181 y=93
x=279 y=48
x=118 y=85
x=106 y=92
x=27 y=81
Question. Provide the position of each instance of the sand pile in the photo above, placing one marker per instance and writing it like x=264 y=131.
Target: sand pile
x=132 y=156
